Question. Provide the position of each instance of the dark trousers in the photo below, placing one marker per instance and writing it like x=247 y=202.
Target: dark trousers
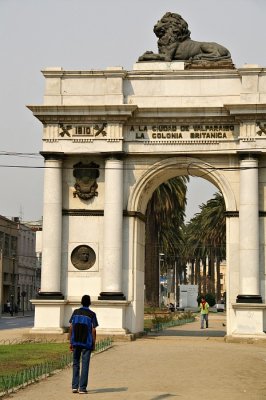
x=80 y=377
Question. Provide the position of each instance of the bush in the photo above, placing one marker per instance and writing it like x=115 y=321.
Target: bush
x=162 y=319
x=186 y=315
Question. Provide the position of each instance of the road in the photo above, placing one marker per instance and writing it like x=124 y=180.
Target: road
x=17 y=322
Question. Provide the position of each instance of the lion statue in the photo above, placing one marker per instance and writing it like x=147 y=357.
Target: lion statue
x=174 y=43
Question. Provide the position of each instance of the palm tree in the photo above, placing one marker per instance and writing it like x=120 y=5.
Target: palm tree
x=205 y=238
x=215 y=227
x=164 y=216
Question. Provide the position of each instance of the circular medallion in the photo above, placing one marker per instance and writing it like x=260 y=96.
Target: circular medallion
x=83 y=257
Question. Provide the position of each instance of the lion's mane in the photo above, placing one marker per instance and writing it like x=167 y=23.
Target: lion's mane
x=172 y=24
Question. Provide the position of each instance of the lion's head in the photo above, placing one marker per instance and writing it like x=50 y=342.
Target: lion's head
x=172 y=25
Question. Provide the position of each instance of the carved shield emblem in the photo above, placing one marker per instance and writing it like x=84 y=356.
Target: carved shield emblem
x=86 y=175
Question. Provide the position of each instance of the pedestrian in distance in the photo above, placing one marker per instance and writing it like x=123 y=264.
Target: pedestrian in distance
x=204 y=312
x=8 y=306
x=82 y=335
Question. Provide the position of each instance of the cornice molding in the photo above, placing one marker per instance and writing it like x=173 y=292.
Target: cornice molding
x=231 y=214
x=135 y=214
x=52 y=155
x=59 y=72
x=76 y=212
x=242 y=109
x=118 y=113
x=235 y=214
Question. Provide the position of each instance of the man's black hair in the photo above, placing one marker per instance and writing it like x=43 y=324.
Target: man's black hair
x=86 y=300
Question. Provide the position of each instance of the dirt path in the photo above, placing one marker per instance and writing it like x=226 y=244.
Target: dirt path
x=171 y=365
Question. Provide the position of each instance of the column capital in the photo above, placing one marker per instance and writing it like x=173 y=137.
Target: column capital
x=52 y=155
x=116 y=155
x=248 y=155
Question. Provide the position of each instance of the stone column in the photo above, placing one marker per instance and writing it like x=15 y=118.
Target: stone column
x=249 y=232
x=52 y=227
x=113 y=225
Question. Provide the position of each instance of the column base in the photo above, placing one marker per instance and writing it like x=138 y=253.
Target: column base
x=249 y=298
x=111 y=296
x=50 y=296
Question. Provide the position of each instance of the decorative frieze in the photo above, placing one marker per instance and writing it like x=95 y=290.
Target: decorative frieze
x=79 y=133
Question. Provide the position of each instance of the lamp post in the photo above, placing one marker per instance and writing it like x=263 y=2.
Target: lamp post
x=23 y=294
x=175 y=285
x=161 y=255
x=13 y=284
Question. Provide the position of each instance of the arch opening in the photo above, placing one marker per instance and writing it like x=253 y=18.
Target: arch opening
x=170 y=268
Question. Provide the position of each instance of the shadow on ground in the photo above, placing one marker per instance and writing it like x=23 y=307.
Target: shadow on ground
x=109 y=390
x=203 y=333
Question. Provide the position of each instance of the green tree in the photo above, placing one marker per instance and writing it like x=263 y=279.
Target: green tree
x=205 y=237
x=214 y=225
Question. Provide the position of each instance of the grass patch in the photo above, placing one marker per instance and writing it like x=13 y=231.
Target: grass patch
x=17 y=357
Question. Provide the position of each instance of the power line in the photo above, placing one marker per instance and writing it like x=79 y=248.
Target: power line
x=127 y=168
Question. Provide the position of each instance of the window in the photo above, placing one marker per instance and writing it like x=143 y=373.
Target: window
x=7 y=245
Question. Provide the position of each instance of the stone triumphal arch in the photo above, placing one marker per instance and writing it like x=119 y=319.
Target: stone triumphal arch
x=110 y=137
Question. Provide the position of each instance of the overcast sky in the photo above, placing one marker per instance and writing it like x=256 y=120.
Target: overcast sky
x=95 y=34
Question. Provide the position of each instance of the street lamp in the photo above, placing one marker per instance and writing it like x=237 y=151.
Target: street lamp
x=175 y=286
x=23 y=294
x=13 y=284
x=161 y=255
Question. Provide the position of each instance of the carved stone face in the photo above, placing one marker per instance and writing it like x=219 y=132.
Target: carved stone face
x=83 y=254
x=83 y=257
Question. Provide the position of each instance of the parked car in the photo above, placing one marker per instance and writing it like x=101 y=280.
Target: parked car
x=219 y=307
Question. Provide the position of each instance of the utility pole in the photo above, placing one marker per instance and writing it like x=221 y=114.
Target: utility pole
x=13 y=277
x=175 y=286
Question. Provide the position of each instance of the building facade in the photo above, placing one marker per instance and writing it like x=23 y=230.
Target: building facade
x=8 y=263
x=28 y=267
x=19 y=265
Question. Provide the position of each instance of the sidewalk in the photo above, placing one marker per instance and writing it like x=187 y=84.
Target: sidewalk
x=179 y=363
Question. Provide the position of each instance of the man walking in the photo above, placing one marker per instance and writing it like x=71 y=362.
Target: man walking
x=82 y=334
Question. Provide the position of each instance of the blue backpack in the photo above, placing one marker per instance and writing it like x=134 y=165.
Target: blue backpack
x=81 y=331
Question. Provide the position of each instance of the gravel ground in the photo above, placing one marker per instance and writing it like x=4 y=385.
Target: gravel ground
x=179 y=363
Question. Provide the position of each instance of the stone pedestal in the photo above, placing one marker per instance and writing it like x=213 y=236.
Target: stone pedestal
x=113 y=315
x=249 y=320
x=53 y=324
